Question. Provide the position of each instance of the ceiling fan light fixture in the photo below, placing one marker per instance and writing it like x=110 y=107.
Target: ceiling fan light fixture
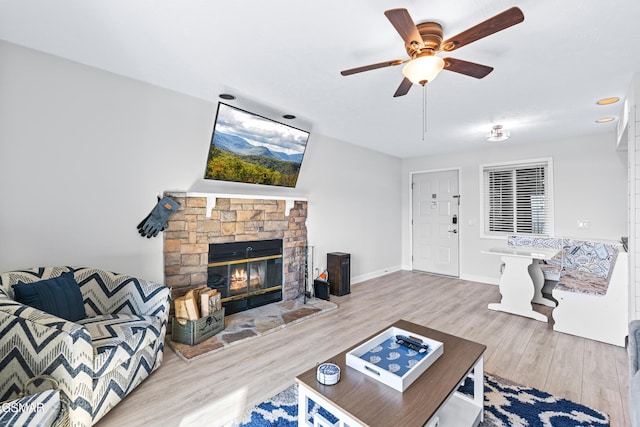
x=497 y=134
x=423 y=69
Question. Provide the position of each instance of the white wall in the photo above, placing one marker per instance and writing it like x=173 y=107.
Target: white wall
x=633 y=142
x=354 y=207
x=83 y=154
x=590 y=183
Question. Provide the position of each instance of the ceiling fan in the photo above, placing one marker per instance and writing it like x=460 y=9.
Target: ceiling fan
x=424 y=40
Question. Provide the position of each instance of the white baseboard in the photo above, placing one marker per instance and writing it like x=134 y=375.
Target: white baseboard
x=375 y=274
x=481 y=279
x=489 y=280
x=470 y=277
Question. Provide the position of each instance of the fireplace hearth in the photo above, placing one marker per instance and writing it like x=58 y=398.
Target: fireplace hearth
x=247 y=274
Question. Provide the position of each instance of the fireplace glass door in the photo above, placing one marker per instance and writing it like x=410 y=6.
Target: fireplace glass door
x=246 y=274
x=240 y=277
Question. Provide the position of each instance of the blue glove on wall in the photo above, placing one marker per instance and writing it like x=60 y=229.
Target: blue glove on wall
x=156 y=221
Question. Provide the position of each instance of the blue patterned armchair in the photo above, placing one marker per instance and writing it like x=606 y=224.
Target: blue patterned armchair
x=97 y=360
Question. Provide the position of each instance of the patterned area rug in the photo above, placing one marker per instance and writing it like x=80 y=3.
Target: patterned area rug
x=506 y=405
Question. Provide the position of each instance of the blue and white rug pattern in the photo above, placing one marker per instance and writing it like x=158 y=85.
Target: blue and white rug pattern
x=281 y=410
x=506 y=405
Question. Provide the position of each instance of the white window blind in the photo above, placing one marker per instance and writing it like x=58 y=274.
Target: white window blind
x=517 y=199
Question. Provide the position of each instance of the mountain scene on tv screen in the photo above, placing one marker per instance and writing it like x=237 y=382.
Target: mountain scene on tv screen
x=249 y=148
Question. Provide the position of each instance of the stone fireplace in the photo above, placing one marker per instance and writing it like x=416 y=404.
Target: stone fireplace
x=238 y=224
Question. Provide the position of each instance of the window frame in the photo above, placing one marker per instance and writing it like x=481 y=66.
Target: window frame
x=517 y=164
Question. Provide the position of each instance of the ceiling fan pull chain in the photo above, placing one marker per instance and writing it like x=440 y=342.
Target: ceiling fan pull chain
x=424 y=110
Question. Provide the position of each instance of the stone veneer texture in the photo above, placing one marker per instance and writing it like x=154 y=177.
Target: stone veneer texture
x=189 y=233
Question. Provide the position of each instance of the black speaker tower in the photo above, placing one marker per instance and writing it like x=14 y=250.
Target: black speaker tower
x=339 y=269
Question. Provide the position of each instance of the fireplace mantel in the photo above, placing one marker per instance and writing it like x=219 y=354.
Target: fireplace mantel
x=212 y=197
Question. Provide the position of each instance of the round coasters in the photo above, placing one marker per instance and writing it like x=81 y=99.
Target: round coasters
x=328 y=374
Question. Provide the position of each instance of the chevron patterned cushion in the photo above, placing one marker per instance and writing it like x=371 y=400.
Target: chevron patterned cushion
x=117 y=337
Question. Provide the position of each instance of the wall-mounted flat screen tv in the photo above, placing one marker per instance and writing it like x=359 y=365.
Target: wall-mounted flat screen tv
x=246 y=147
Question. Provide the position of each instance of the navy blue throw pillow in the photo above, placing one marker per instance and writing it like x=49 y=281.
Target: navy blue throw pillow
x=59 y=296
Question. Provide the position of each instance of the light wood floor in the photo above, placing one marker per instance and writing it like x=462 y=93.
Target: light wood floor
x=520 y=349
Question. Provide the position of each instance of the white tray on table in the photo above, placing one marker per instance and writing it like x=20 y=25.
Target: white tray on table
x=396 y=375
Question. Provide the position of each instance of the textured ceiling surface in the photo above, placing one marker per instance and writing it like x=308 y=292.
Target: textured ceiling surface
x=286 y=56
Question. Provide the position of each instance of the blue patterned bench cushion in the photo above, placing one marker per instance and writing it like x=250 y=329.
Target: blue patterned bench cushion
x=590 y=257
x=535 y=242
x=117 y=337
x=586 y=266
x=582 y=266
x=550 y=271
x=586 y=283
x=585 y=256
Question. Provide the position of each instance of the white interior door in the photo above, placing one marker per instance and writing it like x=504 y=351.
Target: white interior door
x=435 y=222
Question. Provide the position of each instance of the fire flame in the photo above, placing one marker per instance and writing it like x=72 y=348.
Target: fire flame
x=238 y=279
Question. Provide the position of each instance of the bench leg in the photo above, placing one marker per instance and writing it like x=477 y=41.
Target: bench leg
x=516 y=288
x=537 y=276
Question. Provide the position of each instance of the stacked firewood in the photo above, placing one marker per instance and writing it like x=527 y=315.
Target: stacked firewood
x=197 y=303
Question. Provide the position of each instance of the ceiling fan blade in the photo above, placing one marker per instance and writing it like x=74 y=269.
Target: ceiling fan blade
x=499 y=22
x=372 y=67
x=403 y=88
x=468 y=68
x=404 y=25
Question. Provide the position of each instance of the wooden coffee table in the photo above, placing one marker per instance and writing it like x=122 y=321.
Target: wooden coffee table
x=358 y=400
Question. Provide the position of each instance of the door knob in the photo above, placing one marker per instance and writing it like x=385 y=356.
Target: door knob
x=453 y=231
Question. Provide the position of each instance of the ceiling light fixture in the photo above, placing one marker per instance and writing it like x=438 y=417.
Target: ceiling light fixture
x=605 y=120
x=498 y=134
x=423 y=69
x=289 y=116
x=227 y=96
x=607 y=101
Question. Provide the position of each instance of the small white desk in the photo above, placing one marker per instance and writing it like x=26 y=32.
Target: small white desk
x=522 y=280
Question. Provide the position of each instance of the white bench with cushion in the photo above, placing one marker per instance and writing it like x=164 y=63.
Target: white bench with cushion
x=592 y=286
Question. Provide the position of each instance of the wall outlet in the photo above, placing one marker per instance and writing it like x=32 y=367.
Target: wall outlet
x=583 y=224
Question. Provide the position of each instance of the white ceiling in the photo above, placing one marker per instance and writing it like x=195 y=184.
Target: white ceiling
x=287 y=55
